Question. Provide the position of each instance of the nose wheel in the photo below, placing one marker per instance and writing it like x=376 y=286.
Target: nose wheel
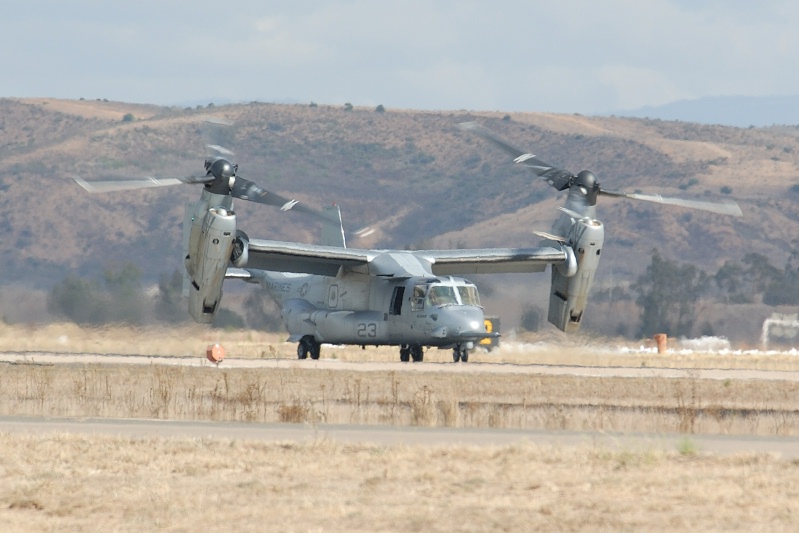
x=460 y=354
x=308 y=346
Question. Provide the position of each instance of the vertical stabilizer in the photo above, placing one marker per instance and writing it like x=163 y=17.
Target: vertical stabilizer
x=333 y=229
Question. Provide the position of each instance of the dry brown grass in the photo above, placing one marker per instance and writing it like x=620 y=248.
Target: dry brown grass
x=515 y=395
x=85 y=483
x=94 y=108
x=77 y=483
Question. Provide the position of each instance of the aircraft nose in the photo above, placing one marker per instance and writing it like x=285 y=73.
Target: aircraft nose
x=472 y=326
x=467 y=323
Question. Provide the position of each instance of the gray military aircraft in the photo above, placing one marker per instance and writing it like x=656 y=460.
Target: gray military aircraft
x=329 y=293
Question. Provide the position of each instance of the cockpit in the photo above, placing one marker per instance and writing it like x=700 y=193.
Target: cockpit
x=438 y=293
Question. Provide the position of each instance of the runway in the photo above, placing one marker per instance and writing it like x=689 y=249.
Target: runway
x=786 y=447
x=52 y=358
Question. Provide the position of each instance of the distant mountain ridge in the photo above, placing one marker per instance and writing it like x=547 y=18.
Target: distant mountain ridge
x=416 y=176
x=739 y=111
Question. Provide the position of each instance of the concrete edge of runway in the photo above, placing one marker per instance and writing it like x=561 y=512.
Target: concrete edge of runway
x=784 y=447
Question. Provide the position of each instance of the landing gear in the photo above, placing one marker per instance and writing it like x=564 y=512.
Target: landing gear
x=308 y=346
x=405 y=353
x=417 y=353
x=412 y=351
x=460 y=354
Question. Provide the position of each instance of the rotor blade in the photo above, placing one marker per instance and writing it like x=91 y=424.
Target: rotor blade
x=247 y=190
x=219 y=121
x=723 y=208
x=551 y=237
x=220 y=150
x=555 y=176
x=96 y=186
x=574 y=214
x=488 y=134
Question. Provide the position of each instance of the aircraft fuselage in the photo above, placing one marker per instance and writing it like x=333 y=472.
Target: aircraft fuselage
x=355 y=308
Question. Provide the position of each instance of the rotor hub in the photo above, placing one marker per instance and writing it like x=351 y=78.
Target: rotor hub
x=222 y=169
x=588 y=185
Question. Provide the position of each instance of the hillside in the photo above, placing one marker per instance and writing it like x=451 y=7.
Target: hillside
x=413 y=174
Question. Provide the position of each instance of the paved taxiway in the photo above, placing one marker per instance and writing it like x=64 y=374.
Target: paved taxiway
x=377 y=366
x=787 y=447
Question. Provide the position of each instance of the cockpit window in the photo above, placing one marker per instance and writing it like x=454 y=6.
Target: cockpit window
x=468 y=294
x=439 y=295
x=419 y=293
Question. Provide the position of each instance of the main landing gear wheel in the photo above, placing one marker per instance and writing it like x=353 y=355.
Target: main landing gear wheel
x=417 y=353
x=460 y=354
x=405 y=353
x=413 y=351
x=308 y=346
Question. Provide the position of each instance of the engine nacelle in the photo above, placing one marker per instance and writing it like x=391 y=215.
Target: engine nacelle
x=210 y=249
x=569 y=291
x=241 y=250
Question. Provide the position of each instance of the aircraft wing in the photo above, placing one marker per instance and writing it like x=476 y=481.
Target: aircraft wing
x=329 y=260
x=492 y=260
x=301 y=258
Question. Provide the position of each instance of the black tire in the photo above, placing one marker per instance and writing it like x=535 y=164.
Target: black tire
x=302 y=349
x=456 y=355
x=315 y=350
x=465 y=356
x=405 y=354
x=417 y=353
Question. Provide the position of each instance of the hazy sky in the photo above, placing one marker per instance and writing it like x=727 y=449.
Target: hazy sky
x=511 y=55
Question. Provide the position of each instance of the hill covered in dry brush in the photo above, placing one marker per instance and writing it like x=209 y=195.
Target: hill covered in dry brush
x=413 y=174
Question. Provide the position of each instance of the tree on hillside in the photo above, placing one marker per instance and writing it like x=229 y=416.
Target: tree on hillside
x=760 y=275
x=783 y=288
x=667 y=295
x=78 y=301
x=531 y=319
x=731 y=282
x=124 y=288
x=169 y=304
x=119 y=300
x=261 y=312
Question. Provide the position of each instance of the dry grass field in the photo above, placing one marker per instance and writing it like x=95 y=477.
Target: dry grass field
x=77 y=483
x=57 y=482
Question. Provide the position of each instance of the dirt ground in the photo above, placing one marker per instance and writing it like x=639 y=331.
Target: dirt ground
x=79 y=483
x=56 y=482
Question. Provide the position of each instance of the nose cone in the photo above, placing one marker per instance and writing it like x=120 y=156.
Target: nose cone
x=463 y=322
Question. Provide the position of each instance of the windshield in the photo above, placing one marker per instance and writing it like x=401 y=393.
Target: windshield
x=439 y=295
x=469 y=295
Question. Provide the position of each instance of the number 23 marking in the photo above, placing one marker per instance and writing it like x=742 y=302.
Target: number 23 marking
x=367 y=329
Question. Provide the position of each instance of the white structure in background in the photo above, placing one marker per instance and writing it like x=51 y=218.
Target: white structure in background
x=706 y=344
x=780 y=328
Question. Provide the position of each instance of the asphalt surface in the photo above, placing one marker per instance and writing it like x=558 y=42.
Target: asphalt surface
x=376 y=366
x=787 y=447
